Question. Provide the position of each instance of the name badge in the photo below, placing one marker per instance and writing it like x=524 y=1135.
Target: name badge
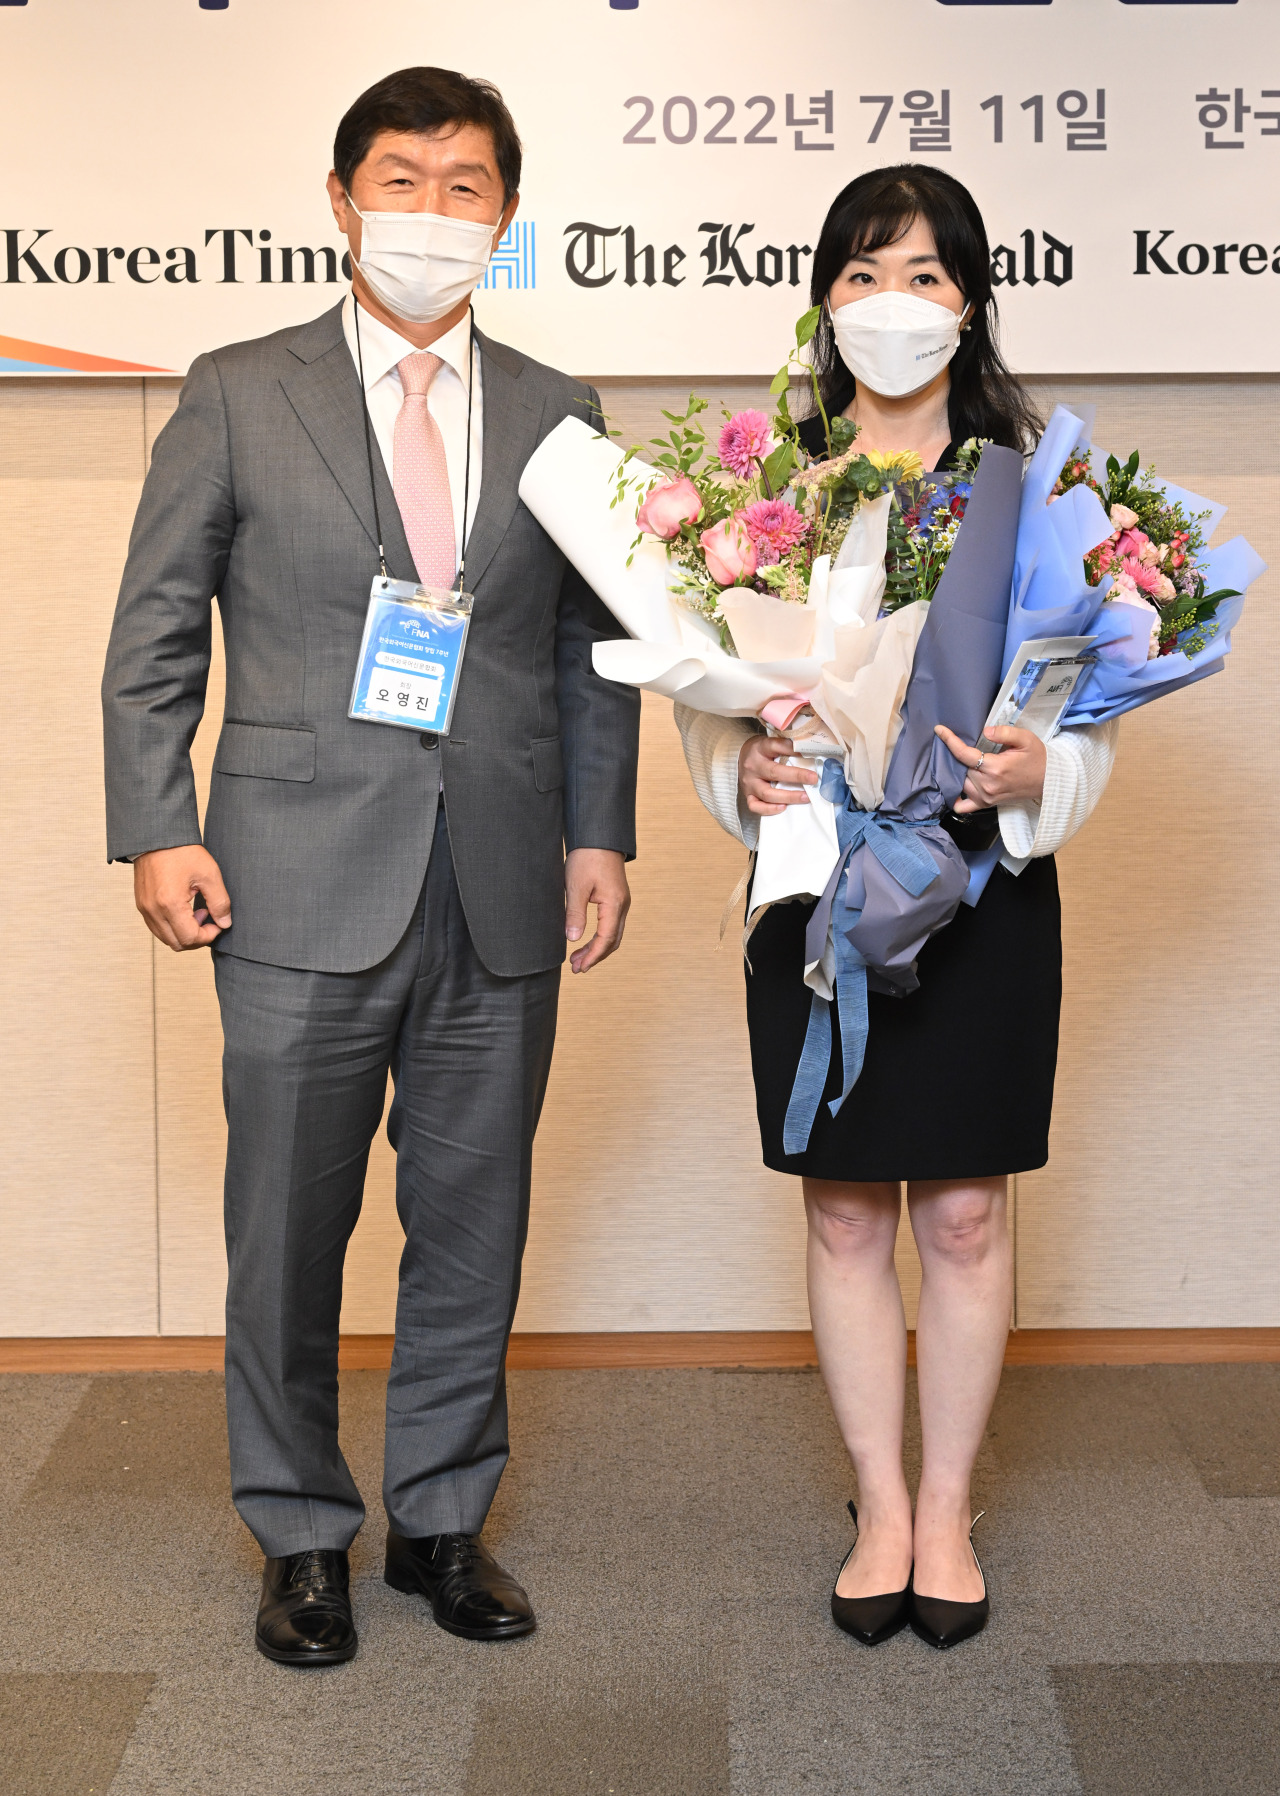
x=410 y=656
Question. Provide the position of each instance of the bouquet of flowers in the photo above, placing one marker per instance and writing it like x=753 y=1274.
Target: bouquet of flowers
x=1153 y=554
x=1126 y=561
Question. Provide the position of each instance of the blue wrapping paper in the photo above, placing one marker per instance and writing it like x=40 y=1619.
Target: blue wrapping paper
x=1051 y=596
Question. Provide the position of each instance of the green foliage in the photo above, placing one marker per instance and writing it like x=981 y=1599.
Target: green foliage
x=841 y=434
x=778 y=466
x=685 y=444
x=967 y=457
x=807 y=325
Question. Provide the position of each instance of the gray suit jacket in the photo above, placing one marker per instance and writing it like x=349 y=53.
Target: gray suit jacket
x=259 y=493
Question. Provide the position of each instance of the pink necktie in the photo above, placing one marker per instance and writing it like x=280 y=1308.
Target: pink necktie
x=421 y=475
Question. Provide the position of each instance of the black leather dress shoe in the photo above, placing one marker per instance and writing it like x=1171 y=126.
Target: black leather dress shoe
x=941 y=1623
x=468 y=1590
x=304 y=1617
x=870 y=1619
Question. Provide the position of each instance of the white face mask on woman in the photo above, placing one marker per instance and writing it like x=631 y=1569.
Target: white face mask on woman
x=895 y=343
x=422 y=264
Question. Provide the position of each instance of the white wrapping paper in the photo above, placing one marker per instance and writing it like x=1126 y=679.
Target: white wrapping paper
x=569 y=483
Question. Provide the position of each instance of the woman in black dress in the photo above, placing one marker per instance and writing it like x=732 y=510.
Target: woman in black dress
x=957 y=1086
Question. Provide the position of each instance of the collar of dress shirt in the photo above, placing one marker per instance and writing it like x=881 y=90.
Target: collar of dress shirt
x=382 y=348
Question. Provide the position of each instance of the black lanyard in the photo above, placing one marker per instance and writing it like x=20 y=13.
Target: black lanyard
x=368 y=441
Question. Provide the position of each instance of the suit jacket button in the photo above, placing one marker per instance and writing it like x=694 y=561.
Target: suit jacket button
x=430 y=739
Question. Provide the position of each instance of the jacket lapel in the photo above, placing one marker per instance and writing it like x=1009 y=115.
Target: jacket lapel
x=324 y=391
x=511 y=425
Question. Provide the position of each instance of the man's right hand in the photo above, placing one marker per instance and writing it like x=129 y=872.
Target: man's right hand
x=181 y=895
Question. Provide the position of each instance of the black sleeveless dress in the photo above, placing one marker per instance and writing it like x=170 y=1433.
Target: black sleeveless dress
x=958 y=1077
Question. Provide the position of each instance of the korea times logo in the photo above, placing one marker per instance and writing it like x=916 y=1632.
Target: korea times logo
x=232 y=257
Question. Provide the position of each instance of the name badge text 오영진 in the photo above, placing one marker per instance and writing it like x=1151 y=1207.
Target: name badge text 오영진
x=410 y=656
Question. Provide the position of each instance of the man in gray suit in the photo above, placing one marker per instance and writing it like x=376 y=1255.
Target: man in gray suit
x=401 y=897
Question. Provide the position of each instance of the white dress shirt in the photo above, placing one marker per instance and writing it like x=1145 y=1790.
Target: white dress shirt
x=382 y=348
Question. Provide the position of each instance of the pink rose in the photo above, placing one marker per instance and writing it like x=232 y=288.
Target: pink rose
x=1130 y=542
x=1125 y=591
x=1122 y=518
x=669 y=505
x=729 y=551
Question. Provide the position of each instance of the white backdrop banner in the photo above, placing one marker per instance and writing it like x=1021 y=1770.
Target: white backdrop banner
x=164 y=164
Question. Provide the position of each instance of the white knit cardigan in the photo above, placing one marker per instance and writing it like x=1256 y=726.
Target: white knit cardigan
x=1078 y=766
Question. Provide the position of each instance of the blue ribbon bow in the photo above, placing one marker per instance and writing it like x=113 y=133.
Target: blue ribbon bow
x=901 y=854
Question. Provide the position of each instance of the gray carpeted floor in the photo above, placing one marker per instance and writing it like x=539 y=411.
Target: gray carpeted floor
x=679 y=1533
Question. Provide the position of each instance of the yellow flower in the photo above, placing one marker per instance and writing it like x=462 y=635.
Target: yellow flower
x=903 y=464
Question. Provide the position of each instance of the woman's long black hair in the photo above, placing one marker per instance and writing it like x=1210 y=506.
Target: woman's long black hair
x=878 y=208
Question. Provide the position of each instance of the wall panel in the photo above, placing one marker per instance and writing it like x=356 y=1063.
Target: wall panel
x=651 y=1208
x=77 y=1109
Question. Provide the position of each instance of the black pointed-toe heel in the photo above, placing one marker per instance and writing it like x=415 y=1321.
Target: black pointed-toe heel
x=942 y=1624
x=870 y=1619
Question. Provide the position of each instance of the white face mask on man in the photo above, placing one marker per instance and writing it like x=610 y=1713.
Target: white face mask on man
x=422 y=264
x=895 y=343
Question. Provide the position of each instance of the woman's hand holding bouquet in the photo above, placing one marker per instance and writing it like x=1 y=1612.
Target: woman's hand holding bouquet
x=1014 y=775
x=768 y=783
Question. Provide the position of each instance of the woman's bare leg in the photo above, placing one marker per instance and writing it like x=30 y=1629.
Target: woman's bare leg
x=858 y=1323
x=966 y=1292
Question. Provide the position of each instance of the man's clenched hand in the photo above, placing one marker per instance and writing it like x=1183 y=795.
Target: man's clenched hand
x=595 y=876
x=181 y=895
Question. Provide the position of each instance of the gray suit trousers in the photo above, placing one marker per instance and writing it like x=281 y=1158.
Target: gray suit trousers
x=304 y=1083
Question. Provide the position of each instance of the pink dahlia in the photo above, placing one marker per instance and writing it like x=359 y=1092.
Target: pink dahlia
x=745 y=439
x=774 y=528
